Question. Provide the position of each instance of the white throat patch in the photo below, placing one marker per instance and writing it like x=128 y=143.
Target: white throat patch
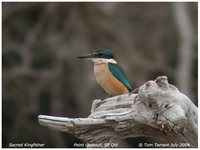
x=103 y=61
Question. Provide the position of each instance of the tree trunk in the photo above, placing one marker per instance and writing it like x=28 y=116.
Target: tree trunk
x=158 y=111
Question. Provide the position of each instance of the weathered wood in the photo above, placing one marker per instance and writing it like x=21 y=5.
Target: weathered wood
x=158 y=111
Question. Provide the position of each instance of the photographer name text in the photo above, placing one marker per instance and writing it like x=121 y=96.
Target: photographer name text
x=165 y=145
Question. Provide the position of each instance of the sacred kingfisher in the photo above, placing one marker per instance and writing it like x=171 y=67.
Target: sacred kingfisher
x=108 y=73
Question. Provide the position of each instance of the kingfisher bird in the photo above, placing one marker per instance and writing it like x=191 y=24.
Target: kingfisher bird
x=109 y=75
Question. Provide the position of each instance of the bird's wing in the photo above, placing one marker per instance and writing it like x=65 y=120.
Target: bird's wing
x=117 y=71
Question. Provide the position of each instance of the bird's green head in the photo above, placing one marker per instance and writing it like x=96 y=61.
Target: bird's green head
x=103 y=53
x=100 y=56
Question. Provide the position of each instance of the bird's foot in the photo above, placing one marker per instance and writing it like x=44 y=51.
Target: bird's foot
x=106 y=97
x=135 y=91
x=95 y=104
x=103 y=99
x=98 y=103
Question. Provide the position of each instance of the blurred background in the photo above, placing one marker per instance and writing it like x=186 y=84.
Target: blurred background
x=41 y=74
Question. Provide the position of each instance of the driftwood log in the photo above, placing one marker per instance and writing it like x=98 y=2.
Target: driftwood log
x=158 y=111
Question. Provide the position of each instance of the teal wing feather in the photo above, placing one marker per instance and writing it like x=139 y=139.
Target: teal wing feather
x=117 y=71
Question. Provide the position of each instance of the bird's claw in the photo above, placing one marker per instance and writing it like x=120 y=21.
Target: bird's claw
x=134 y=91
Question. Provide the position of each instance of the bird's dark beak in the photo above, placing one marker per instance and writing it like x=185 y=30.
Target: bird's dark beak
x=86 y=56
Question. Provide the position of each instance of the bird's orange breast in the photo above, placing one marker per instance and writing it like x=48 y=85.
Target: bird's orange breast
x=107 y=81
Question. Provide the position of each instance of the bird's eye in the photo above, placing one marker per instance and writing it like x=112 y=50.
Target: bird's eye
x=100 y=55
